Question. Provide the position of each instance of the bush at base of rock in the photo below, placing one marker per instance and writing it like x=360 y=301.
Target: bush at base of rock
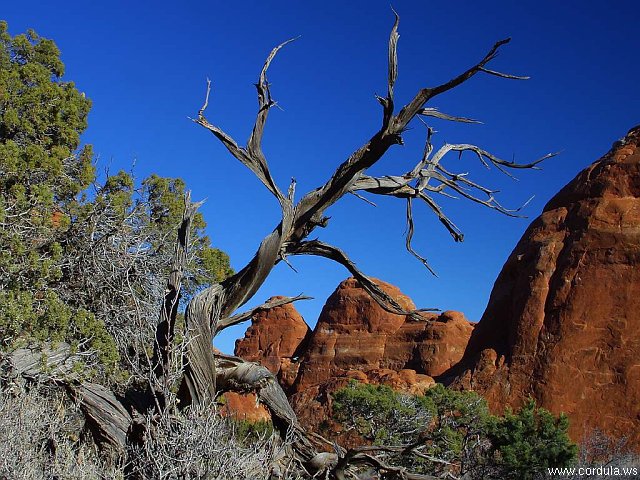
x=451 y=432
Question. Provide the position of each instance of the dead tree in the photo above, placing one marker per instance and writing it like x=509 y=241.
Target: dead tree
x=209 y=312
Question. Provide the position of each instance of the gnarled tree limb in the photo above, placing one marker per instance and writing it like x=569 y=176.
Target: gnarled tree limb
x=54 y=365
x=213 y=309
x=416 y=183
x=238 y=375
x=241 y=317
x=169 y=309
x=321 y=249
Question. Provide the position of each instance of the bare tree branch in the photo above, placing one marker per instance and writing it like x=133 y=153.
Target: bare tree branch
x=409 y=237
x=503 y=75
x=238 y=375
x=107 y=418
x=169 y=310
x=417 y=182
x=433 y=112
x=387 y=103
x=254 y=145
x=231 y=145
x=321 y=249
x=410 y=110
x=203 y=311
x=241 y=317
x=252 y=156
x=312 y=206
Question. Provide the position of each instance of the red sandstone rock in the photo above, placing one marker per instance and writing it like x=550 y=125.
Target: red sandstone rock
x=563 y=321
x=356 y=338
x=273 y=340
x=355 y=333
x=244 y=407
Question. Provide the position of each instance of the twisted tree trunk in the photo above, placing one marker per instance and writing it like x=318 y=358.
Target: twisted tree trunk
x=208 y=373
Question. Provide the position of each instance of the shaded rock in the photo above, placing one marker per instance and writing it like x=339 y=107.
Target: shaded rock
x=563 y=320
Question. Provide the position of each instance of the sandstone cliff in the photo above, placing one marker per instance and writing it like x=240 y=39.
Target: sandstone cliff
x=355 y=333
x=563 y=320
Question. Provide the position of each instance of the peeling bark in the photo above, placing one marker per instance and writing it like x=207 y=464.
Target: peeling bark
x=107 y=419
x=166 y=324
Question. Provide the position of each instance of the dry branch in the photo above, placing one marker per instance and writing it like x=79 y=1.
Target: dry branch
x=43 y=363
x=214 y=308
x=241 y=317
x=166 y=324
x=321 y=249
x=47 y=365
x=238 y=375
x=108 y=420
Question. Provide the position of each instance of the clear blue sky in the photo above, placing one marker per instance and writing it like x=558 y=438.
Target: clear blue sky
x=144 y=66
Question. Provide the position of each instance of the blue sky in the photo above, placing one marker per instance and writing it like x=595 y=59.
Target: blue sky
x=144 y=65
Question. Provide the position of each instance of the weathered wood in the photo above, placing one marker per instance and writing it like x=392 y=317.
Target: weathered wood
x=241 y=317
x=199 y=383
x=42 y=363
x=167 y=321
x=53 y=365
x=236 y=374
x=107 y=419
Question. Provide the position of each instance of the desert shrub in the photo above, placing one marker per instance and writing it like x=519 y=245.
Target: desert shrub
x=200 y=444
x=601 y=457
x=379 y=414
x=446 y=432
x=528 y=441
x=250 y=432
x=42 y=437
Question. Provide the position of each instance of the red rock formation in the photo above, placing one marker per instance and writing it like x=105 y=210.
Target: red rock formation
x=356 y=338
x=563 y=321
x=273 y=340
x=353 y=339
x=244 y=407
x=355 y=333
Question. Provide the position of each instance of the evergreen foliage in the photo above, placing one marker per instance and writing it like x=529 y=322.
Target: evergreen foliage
x=82 y=261
x=447 y=432
x=530 y=440
x=379 y=414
